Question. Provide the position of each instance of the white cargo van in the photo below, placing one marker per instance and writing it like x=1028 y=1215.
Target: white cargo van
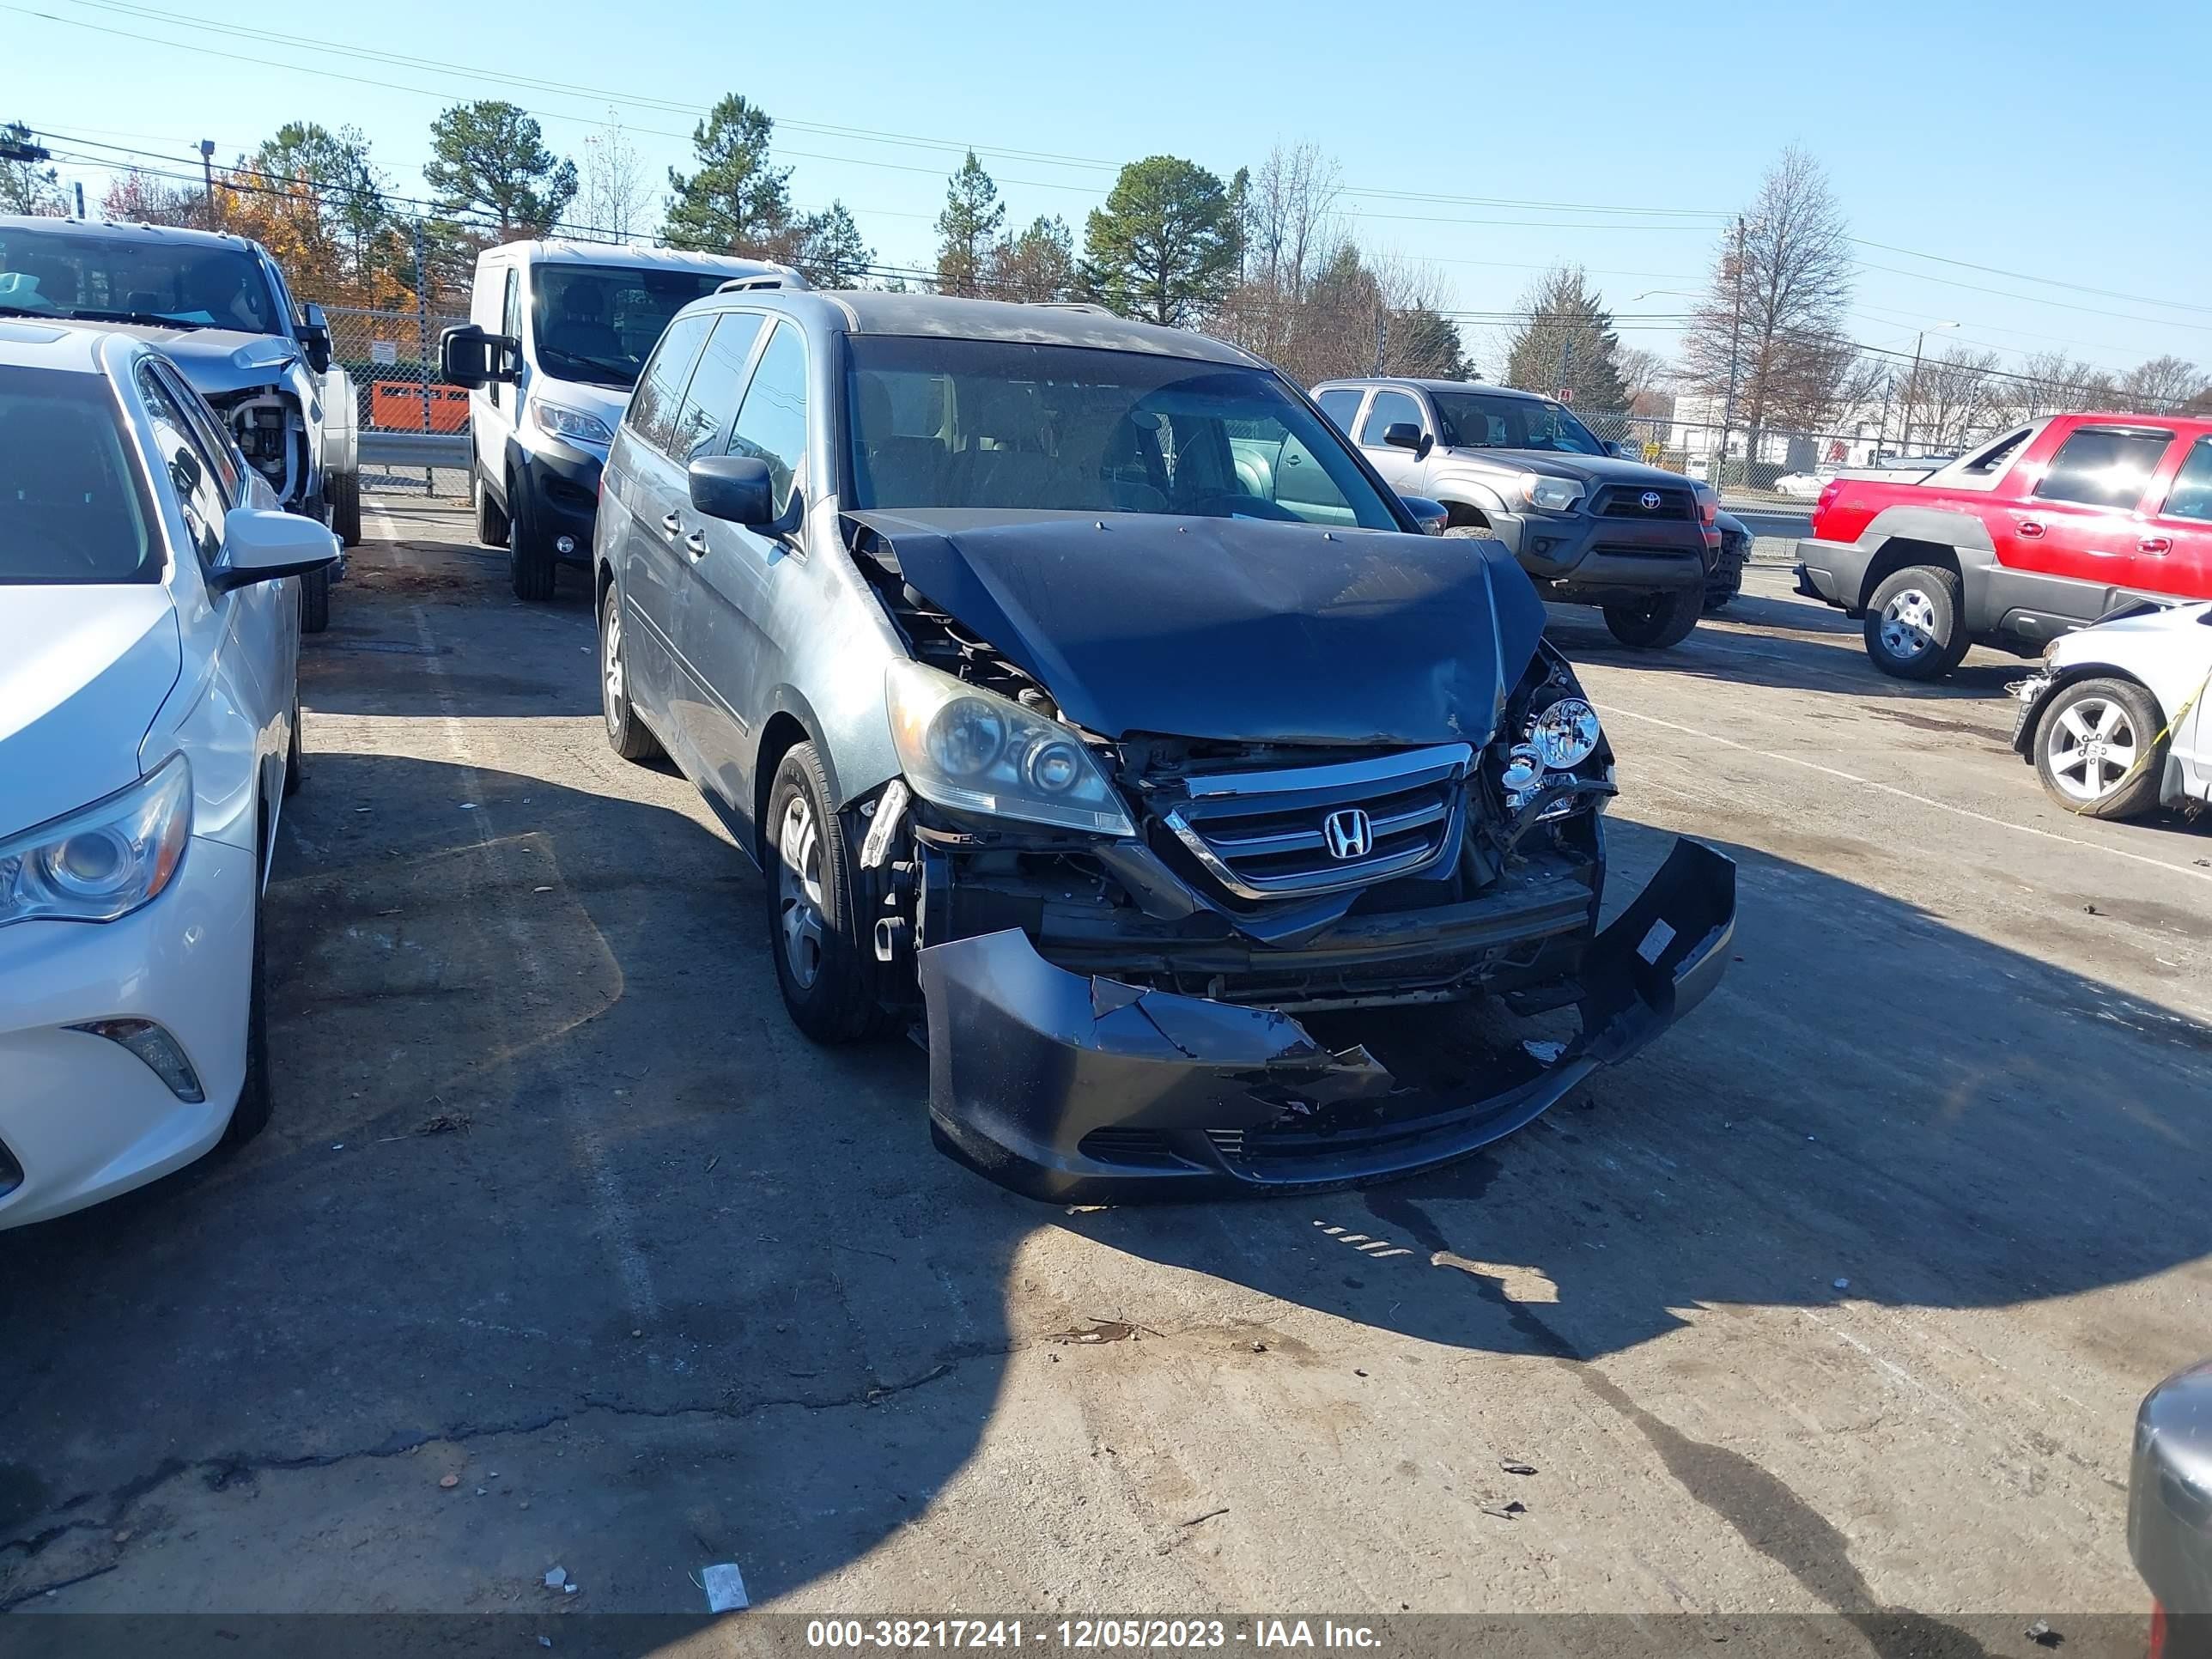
x=556 y=334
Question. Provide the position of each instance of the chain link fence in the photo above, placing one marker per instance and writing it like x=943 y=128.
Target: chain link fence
x=393 y=356
x=1787 y=467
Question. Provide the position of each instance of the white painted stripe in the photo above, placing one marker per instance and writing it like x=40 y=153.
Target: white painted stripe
x=1906 y=794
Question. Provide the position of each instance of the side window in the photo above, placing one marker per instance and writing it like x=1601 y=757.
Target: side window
x=772 y=424
x=1388 y=409
x=510 y=322
x=229 y=480
x=188 y=471
x=702 y=422
x=661 y=388
x=1342 y=405
x=2103 y=466
x=2191 y=495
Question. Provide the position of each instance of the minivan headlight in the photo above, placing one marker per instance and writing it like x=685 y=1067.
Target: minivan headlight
x=976 y=751
x=102 y=861
x=570 y=423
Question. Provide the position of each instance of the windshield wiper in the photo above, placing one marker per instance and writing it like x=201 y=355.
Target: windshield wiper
x=141 y=319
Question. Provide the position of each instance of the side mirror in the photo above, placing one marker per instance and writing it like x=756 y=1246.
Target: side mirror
x=1431 y=516
x=260 y=545
x=467 y=356
x=1614 y=448
x=738 y=488
x=1404 y=434
x=315 y=337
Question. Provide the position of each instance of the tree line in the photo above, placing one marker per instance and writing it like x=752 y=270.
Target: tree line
x=1264 y=258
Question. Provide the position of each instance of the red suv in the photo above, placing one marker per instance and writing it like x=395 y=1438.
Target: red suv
x=2032 y=535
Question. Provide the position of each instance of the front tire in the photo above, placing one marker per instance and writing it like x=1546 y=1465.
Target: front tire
x=1658 y=621
x=255 y=1103
x=292 y=776
x=2100 y=749
x=315 y=601
x=1915 y=628
x=1474 y=532
x=345 y=507
x=626 y=733
x=825 y=961
x=529 y=555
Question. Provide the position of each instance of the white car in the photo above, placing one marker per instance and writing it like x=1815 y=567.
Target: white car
x=148 y=731
x=2115 y=722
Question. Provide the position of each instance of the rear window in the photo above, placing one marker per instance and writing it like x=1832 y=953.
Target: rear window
x=73 y=507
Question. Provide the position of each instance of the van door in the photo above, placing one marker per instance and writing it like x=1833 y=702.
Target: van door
x=495 y=306
x=724 y=627
x=651 y=493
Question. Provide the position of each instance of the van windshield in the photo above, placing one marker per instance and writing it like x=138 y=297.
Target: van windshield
x=599 y=323
x=1008 y=425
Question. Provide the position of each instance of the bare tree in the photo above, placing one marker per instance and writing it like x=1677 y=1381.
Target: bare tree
x=2163 y=384
x=1769 y=335
x=1649 y=380
x=612 y=200
x=1290 y=208
x=1955 y=397
x=2051 y=381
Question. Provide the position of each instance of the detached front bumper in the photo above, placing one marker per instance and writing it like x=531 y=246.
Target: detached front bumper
x=1076 y=1088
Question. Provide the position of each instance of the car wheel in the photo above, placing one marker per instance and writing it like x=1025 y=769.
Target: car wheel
x=2100 y=749
x=315 y=601
x=1913 y=627
x=626 y=733
x=251 y=1115
x=345 y=508
x=1474 y=532
x=1658 y=621
x=491 y=523
x=292 y=776
x=529 y=556
x=825 y=961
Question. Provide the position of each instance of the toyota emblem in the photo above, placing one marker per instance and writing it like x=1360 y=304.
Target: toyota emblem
x=1650 y=499
x=1348 y=833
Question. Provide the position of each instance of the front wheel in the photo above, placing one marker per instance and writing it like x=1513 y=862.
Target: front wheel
x=529 y=555
x=626 y=733
x=491 y=521
x=2100 y=749
x=315 y=601
x=345 y=507
x=255 y=1103
x=825 y=961
x=1914 y=624
x=1657 y=621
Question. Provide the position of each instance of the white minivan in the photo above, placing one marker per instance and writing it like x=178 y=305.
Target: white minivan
x=557 y=332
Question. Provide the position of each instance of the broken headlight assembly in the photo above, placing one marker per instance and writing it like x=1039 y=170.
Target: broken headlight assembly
x=1558 y=741
x=973 y=750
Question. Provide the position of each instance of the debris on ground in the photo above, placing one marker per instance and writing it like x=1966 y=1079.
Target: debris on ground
x=1543 y=1052
x=443 y=1123
x=1259 y=1348
x=557 y=1578
x=1105 y=1330
x=1507 y=1510
x=1843 y=1284
x=1515 y=1466
x=450 y=1481
x=2042 y=1635
x=725 y=1586
x=1208 y=1515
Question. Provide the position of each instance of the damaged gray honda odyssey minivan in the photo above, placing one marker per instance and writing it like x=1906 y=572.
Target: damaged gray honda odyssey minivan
x=1091 y=704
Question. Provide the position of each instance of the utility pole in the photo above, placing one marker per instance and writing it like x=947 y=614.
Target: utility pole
x=79 y=198
x=422 y=347
x=1382 y=335
x=1565 y=384
x=207 y=172
x=1913 y=386
x=1735 y=336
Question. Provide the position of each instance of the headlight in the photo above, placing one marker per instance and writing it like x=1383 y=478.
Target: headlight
x=1709 y=502
x=570 y=423
x=105 y=861
x=1549 y=495
x=976 y=751
x=1566 y=734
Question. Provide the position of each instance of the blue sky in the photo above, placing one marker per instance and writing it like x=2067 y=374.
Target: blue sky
x=2040 y=139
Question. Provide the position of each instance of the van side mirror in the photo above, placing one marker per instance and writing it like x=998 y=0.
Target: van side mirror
x=737 y=488
x=468 y=356
x=261 y=545
x=315 y=337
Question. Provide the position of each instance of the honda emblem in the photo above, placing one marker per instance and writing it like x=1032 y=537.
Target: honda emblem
x=1649 y=498
x=1348 y=833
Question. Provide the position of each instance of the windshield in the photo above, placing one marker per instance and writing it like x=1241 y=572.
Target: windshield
x=72 y=506
x=1476 y=420
x=599 y=324
x=1001 y=424
x=67 y=272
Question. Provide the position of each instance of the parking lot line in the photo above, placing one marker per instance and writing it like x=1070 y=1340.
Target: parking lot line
x=1837 y=773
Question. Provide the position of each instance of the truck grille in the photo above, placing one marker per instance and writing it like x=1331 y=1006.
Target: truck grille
x=1626 y=502
x=1321 y=828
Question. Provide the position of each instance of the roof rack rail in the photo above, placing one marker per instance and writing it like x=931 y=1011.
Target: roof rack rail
x=763 y=279
x=1073 y=304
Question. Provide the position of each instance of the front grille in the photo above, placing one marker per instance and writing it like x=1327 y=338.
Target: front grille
x=1146 y=1149
x=1626 y=502
x=1321 y=829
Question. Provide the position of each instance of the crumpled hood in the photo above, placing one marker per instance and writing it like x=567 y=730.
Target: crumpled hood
x=1233 y=629
x=217 y=361
x=87 y=672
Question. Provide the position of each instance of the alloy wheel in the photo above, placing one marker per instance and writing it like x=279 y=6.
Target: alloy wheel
x=613 y=684
x=799 y=889
x=2091 y=746
x=1908 y=625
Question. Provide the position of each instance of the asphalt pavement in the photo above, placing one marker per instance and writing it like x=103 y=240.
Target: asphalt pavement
x=565 y=1249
